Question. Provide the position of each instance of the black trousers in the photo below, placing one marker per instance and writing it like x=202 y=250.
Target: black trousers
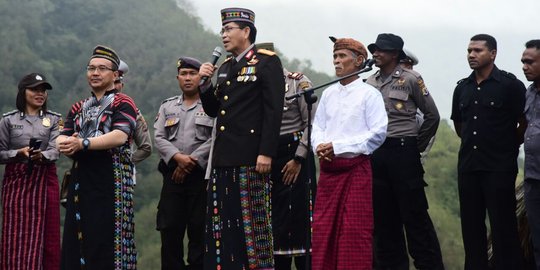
x=182 y=208
x=290 y=213
x=494 y=192
x=400 y=208
x=532 y=203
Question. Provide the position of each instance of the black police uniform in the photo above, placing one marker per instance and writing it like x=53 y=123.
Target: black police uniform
x=247 y=103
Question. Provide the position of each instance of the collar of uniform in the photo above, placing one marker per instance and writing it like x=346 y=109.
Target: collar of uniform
x=495 y=74
x=180 y=101
x=41 y=114
x=240 y=56
x=397 y=71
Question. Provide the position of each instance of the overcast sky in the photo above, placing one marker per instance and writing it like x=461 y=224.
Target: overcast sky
x=436 y=31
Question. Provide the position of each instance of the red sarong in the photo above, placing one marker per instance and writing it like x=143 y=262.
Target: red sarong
x=343 y=216
x=31 y=218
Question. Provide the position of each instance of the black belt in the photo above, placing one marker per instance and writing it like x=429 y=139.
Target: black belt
x=400 y=142
x=290 y=137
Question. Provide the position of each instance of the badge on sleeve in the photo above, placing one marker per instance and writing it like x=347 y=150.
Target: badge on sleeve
x=46 y=122
x=422 y=87
x=60 y=124
x=303 y=85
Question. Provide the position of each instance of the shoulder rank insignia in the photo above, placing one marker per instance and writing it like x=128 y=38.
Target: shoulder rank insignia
x=228 y=59
x=54 y=113
x=295 y=75
x=266 y=52
x=169 y=99
x=10 y=113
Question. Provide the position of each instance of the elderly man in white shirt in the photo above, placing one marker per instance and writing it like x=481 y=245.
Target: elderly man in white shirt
x=350 y=123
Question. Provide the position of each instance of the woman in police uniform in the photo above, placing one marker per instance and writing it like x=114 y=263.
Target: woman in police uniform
x=30 y=199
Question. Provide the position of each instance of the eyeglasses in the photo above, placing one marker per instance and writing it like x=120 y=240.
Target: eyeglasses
x=228 y=29
x=100 y=69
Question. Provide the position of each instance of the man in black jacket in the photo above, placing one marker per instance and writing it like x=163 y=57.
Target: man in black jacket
x=247 y=102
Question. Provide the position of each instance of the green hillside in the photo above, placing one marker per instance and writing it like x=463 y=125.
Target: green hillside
x=56 y=37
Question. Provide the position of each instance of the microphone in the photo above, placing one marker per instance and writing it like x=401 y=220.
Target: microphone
x=216 y=54
x=369 y=63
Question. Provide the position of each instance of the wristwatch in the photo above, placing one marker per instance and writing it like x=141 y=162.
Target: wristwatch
x=299 y=159
x=85 y=144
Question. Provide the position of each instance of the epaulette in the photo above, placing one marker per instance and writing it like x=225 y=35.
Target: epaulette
x=295 y=75
x=54 y=113
x=228 y=59
x=10 y=113
x=169 y=99
x=266 y=52
x=508 y=74
x=413 y=72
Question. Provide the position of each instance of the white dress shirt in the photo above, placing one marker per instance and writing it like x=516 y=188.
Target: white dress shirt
x=352 y=117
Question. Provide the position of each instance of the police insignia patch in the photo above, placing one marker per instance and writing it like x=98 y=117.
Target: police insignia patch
x=303 y=85
x=401 y=81
x=422 y=87
x=170 y=122
x=253 y=61
x=399 y=106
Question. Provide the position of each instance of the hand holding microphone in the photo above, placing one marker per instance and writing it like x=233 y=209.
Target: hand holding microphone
x=207 y=69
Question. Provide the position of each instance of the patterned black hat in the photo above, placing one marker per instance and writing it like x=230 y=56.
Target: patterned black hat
x=101 y=51
x=237 y=15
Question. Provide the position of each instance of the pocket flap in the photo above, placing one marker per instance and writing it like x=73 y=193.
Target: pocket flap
x=401 y=95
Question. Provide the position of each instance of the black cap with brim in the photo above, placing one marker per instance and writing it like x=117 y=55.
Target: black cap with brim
x=388 y=42
x=34 y=80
